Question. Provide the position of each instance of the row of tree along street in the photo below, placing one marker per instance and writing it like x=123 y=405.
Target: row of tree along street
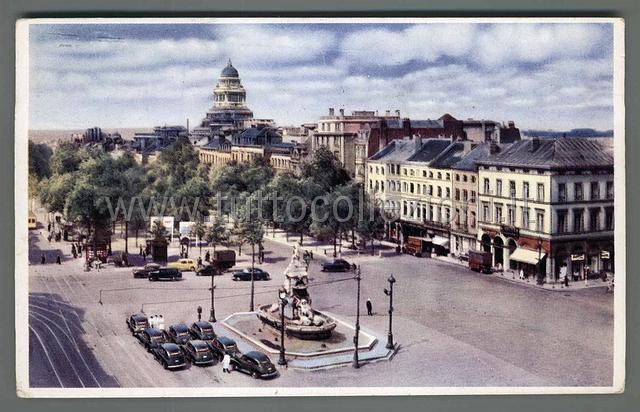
x=96 y=191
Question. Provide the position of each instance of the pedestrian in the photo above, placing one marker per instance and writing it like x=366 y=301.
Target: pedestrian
x=521 y=274
x=199 y=262
x=43 y=260
x=79 y=248
x=49 y=227
x=207 y=257
x=226 y=363
x=566 y=281
x=75 y=254
x=311 y=254
x=144 y=255
x=73 y=250
x=58 y=260
x=49 y=238
x=141 y=251
x=369 y=307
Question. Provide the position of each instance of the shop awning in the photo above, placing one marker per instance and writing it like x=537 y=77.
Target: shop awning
x=440 y=241
x=526 y=255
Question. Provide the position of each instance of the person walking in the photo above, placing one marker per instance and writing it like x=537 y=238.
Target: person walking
x=144 y=255
x=226 y=363
x=521 y=274
x=43 y=260
x=58 y=260
x=199 y=262
x=369 y=307
x=207 y=256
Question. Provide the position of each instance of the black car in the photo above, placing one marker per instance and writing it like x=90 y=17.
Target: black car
x=137 y=323
x=245 y=274
x=202 y=330
x=199 y=352
x=152 y=338
x=255 y=363
x=208 y=270
x=338 y=265
x=223 y=345
x=178 y=334
x=165 y=273
x=144 y=271
x=169 y=355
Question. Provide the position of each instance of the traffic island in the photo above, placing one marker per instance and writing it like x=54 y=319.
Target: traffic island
x=335 y=351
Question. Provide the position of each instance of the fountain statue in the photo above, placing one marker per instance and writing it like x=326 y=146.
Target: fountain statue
x=300 y=319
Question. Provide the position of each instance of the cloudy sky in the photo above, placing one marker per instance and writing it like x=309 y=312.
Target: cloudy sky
x=543 y=76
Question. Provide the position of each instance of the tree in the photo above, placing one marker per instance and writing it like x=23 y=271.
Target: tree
x=67 y=158
x=253 y=233
x=39 y=160
x=324 y=168
x=199 y=229
x=216 y=233
x=371 y=224
x=158 y=231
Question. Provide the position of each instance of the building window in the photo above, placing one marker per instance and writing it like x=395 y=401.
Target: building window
x=431 y=174
x=540 y=192
x=439 y=214
x=473 y=196
x=562 y=192
x=431 y=213
x=448 y=192
x=499 y=187
x=448 y=176
x=512 y=189
x=562 y=222
x=404 y=207
x=578 y=220
x=473 y=179
x=485 y=212
x=608 y=218
x=382 y=186
x=577 y=189
x=447 y=215
x=511 y=216
x=457 y=177
x=424 y=173
x=465 y=195
x=411 y=188
x=525 y=190
x=439 y=175
x=525 y=218
x=439 y=191
x=473 y=219
x=457 y=217
x=539 y=221
x=430 y=190
x=456 y=195
x=609 y=190
x=486 y=186
x=464 y=178
x=370 y=184
x=498 y=214
x=595 y=191
x=594 y=219
x=404 y=171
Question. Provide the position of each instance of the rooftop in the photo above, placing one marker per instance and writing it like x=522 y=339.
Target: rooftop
x=430 y=150
x=562 y=153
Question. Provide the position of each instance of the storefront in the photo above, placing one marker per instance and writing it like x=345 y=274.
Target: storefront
x=527 y=260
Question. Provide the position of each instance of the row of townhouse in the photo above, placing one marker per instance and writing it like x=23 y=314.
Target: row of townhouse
x=534 y=204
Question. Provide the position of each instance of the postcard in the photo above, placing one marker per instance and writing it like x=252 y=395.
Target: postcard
x=212 y=207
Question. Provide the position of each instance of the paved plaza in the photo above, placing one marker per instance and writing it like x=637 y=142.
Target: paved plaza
x=453 y=327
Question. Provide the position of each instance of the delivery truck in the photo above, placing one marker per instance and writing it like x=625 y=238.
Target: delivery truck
x=480 y=261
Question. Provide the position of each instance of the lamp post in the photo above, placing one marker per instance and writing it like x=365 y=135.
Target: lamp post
x=199 y=310
x=389 y=293
x=282 y=294
x=539 y=280
x=356 y=364
x=212 y=315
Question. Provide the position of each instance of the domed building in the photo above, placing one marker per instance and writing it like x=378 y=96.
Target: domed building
x=229 y=112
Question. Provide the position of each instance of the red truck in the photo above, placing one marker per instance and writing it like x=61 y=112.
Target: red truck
x=418 y=246
x=480 y=261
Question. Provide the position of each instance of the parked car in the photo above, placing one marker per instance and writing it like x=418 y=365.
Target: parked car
x=255 y=363
x=208 y=270
x=199 y=352
x=151 y=338
x=338 y=265
x=169 y=355
x=245 y=274
x=202 y=330
x=165 y=274
x=137 y=323
x=183 y=265
x=178 y=334
x=223 y=345
x=144 y=271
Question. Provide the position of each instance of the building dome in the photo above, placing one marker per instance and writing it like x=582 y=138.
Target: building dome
x=229 y=71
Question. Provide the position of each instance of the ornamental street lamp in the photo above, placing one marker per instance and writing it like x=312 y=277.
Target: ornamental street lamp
x=212 y=315
x=389 y=293
x=199 y=310
x=358 y=278
x=282 y=294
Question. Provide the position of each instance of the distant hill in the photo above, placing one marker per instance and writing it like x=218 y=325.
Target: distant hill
x=585 y=132
x=52 y=137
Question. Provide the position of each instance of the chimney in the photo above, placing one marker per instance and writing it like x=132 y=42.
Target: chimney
x=534 y=145
x=397 y=112
x=467 y=145
x=512 y=124
x=417 y=143
x=406 y=126
x=341 y=112
x=388 y=113
x=493 y=148
x=331 y=112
